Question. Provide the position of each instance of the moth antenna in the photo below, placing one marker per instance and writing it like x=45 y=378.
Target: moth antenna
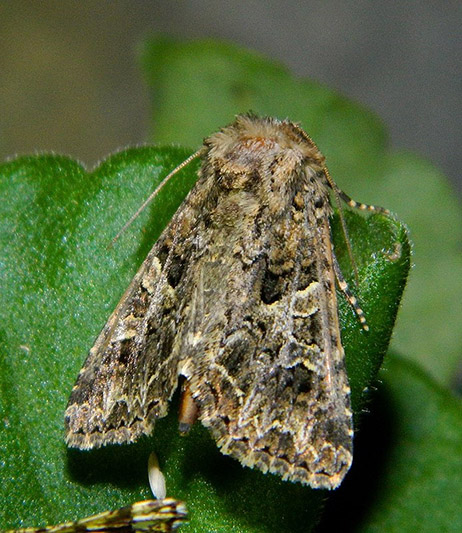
x=337 y=195
x=155 y=193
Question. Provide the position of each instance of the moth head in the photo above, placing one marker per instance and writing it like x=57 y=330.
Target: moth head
x=251 y=146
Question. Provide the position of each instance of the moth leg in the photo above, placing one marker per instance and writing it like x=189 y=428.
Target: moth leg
x=359 y=205
x=189 y=411
x=349 y=295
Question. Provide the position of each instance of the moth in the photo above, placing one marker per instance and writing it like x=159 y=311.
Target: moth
x=238 y=297
x=146 y=516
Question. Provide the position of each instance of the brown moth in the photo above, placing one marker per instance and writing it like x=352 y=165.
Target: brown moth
x=146 y=516
x=238 y=297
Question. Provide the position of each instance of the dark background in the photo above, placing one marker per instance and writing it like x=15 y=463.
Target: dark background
x=70 y=83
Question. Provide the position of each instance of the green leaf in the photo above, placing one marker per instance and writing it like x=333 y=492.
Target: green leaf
x=429 y=322
x=407 y=473
x=199 y=86
x=59 y=284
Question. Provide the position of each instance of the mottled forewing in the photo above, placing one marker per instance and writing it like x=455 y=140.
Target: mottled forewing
x=263 y=356
x=145 y=516
x=132 y=370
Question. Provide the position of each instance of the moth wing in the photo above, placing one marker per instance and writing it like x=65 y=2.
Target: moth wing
x=144 y=516
x=270 y=378
x=148 y=516
x=132 y=370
